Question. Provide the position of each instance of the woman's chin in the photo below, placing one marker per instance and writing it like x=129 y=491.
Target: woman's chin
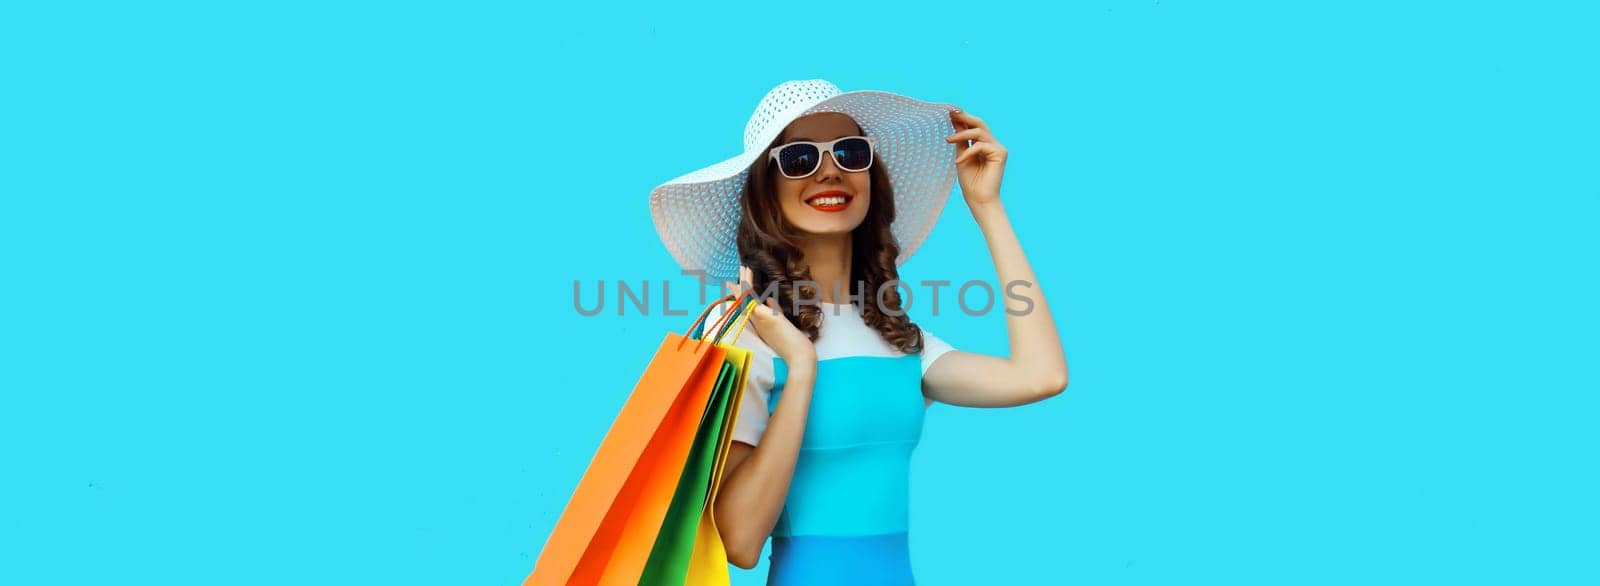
x=820 y=223
x=827 y=226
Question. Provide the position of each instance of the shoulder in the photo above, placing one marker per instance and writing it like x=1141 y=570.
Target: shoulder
x=932 y=348
x=846 y=334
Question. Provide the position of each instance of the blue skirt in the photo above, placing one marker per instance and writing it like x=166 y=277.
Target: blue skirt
x=865 y=559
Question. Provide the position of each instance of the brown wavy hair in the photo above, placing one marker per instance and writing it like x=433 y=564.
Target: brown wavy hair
x=768 y=244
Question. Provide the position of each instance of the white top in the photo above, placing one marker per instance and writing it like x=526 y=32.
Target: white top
x=842 y=334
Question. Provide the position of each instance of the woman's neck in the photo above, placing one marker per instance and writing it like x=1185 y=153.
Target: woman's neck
x=829 y=259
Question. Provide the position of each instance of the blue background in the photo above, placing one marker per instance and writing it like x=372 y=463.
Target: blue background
x=287 y=289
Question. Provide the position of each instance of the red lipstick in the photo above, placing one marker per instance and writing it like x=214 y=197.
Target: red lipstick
x=832 y=200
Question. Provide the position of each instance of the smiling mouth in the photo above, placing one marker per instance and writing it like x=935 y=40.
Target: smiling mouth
x=830 y=201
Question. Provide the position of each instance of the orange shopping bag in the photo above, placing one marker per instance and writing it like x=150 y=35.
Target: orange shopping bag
x=605 y=534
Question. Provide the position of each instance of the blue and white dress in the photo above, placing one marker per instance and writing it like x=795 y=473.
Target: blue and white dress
x=846 y=516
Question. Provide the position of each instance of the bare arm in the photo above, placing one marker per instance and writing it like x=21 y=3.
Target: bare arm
x=1037 y=367
x=756 y=482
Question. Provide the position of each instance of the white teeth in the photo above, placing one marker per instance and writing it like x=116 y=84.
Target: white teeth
x=828 y=201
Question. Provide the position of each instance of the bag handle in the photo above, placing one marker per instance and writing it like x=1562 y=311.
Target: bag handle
x=742 y=313
x=733 y=320
x=700 y=321
x=734 y=313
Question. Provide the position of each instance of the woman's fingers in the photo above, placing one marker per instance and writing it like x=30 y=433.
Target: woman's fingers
x=746 y=280
x=961 y=145
x=739 y=289
x=978 y=149
x=763 y=317
x=972 y=134
x=968 y=119
x=971 y=131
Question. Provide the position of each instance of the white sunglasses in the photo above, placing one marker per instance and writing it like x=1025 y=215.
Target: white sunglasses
x=799 y=159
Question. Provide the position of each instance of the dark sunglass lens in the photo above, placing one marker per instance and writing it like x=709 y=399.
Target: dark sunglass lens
x=852 y=154
x=798 y=159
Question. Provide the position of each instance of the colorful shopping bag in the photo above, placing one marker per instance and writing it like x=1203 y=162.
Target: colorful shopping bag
x=669 y=556
x=708 y=566
x=687 y=528
x=607 y=530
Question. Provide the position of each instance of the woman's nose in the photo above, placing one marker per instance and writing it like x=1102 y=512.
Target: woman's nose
x=827 y=171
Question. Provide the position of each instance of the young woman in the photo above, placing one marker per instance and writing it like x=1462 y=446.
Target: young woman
x=833 y=192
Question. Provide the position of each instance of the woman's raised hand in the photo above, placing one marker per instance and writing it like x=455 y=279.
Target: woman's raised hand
x=774 y=328
x=980 y=159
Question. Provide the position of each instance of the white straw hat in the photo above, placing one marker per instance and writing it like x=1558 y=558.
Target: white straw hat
x=697 y=215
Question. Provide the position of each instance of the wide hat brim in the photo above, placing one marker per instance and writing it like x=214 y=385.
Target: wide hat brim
x=697 y=215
